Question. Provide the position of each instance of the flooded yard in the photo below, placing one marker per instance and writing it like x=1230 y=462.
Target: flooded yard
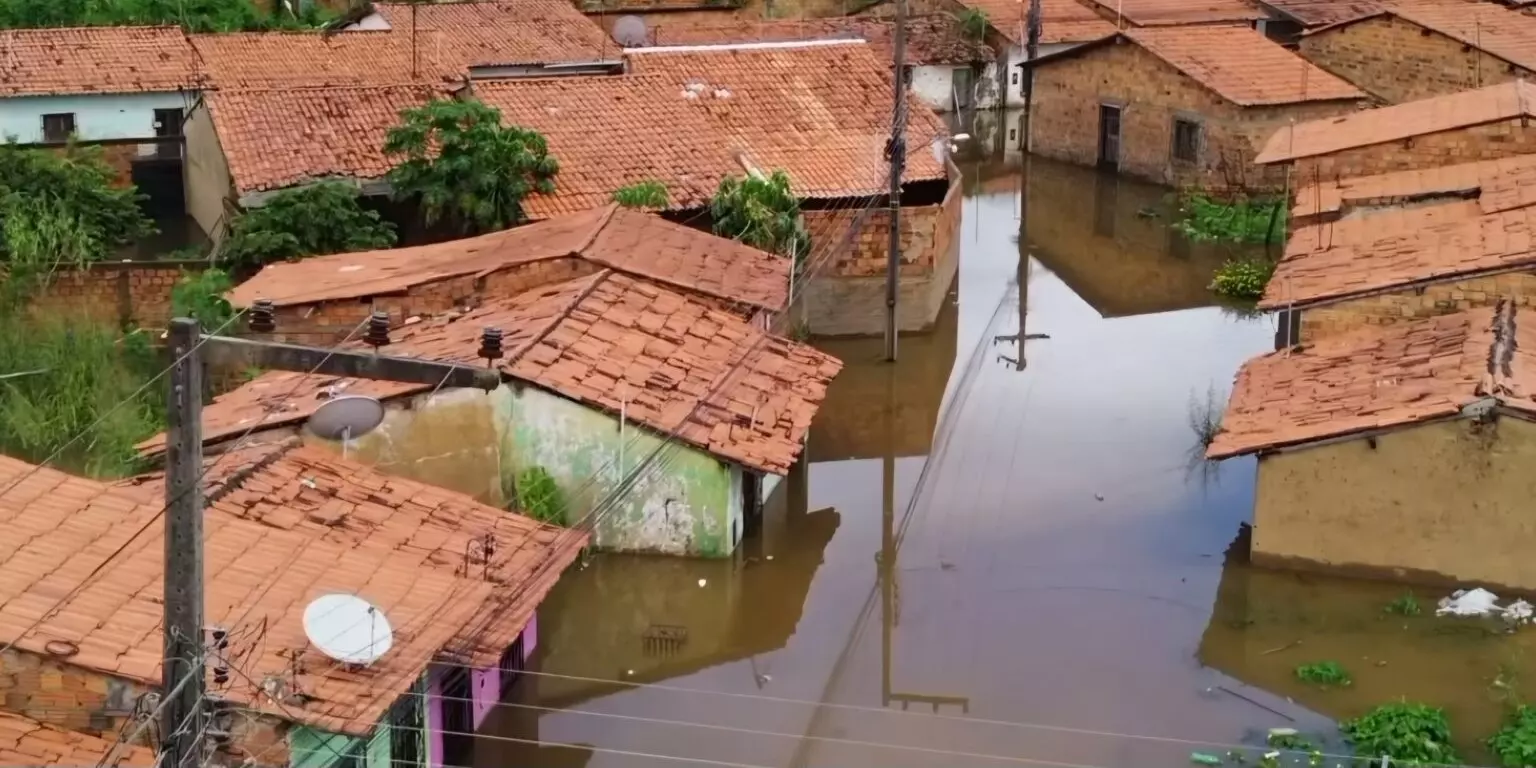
x=999 y=550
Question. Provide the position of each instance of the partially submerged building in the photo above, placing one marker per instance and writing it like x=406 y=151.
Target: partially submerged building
x=1180 y=105
x=1482 y=124
x=1064 y=24
x=1398 y=451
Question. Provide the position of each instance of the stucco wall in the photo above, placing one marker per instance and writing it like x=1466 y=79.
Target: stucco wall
x=1400 y=61
x=208 y=183
x=934 y=86
x=1440 y=299
x=97 y=118
x=1489 y=141
x=1446 y=502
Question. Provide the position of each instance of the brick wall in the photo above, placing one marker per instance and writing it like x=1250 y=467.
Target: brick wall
x=1399 y=61
x=866 y=255
x=1065 y=119
x=122 y=292
x=1440 y=299
x=1479 y=142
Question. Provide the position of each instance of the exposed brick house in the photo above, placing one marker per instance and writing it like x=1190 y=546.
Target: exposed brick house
x=1064 y=24
x=1186 y=105
x=1385 y=249
x=1413 y=49
x=81 y=599
x=1485 y=124
x=322 y=300
x=1398 y=452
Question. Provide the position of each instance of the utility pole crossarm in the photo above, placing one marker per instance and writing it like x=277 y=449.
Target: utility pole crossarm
x=230 y=351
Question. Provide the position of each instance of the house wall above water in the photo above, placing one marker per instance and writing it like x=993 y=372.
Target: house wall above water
x=1396 y=60
x=1411 y=303
x=1488 y=141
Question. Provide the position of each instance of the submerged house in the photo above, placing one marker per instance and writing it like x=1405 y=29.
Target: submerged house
x=1378 y=250
x=284 y=525
x=1064 y=24
x=1179 y=105
x=1398 y=451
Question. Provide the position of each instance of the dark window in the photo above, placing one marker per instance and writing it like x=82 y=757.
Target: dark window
x=167 y=122
x=458 y=717
x=511 y=665
x=1186 y=140
x=58 y=127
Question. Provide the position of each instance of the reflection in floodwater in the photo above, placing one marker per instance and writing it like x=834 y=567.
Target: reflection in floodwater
x=987 y=558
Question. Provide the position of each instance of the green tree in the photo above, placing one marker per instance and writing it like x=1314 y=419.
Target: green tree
x=761 y=212
x=201 y=295
x=460 y=164
x=192 y=15
x=309 y=221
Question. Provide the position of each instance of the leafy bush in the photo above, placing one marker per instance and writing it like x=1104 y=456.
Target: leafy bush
x=1243 y=220
x=61 y=207
x=643 y=194
x=201 y=295
x=1243 y=277
x=973 y=23
x=761 y=212
x=1407 y=605
x=457 y=160
x=539 y=496
x=1408 y=733
x=309 y=221
x=1324 y=673
x=1515 y=743
x=192 y=15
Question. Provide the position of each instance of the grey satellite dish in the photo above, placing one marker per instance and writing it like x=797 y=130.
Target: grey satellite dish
x=344 y=418
x=348 y=629
x=629 y=31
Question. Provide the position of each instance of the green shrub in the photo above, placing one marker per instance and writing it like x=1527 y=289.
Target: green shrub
x=1324 y=673
x=1243 y=277
x=192 y=15
x=1414 y=734
x=539 y=496
x=1241 y=220
x=313 y=220
x=201 y=295
x=1407 y=605
x=643 y=194
x=1515 y=743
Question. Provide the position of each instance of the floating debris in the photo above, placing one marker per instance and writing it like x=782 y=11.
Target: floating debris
x=1201 y=758
x=1481 y=602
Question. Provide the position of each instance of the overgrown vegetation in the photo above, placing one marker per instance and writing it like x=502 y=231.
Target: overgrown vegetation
x=308 y=221
x=1515 y=743
x=1406 y=605
x=762 y=212
x=192 y=15
x=1205 y=416
x=460 y=164
x=642 y=194
x=1243 y=277
x=1328 y=674
x=201 y=295
x=1241 y=220
x=973 y=23
x=539 y=497
x=1406 y=732
x=1289 y=741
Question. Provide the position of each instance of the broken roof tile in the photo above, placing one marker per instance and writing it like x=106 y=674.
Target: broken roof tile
x=96 y=60
x=26 y=742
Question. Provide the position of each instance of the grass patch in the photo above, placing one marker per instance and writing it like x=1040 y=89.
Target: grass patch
x=1406 y=605
x=1515 y=743
x=1240 y=220
x=1406 y=732
x=1329 y=674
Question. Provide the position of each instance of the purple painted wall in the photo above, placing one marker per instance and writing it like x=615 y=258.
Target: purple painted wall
x=485 y=692
x=486 y=685
x=434 y=716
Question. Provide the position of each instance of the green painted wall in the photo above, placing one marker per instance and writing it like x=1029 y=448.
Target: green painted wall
x=313 y=748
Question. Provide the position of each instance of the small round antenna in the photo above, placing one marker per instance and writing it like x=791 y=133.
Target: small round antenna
x=630 y=32
x=344 y=418
x=348 y=629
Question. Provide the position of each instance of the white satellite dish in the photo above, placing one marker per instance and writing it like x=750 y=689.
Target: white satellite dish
x=348 y=629
x=347 y=417
x=630 y=32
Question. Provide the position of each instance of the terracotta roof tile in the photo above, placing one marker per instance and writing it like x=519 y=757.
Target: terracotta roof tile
x=1151 y=13
x=1378 y=377
x=302 y=524
x=324 y=133
x=1375 y=249
x=26 y=742
x=1062 y=21
x=1507 y=33
x=1452 y=111
x=286 y=60
x=931 y=39
x=503 y=33
x=1343 y=195
x=84 y=60
x=625 y=240
x=610 y=341
x=1241 y=65
x=1321 y=13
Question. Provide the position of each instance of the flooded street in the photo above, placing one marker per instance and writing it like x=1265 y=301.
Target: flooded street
x=999 y=551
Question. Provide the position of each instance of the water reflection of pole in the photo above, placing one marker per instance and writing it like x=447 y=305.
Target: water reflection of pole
x=1021 y=276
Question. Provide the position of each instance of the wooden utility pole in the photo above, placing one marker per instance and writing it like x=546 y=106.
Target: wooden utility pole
x=896 y=150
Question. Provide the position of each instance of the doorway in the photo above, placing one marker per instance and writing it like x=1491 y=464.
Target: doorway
x=962 y=82
x=1109 y=137
x=458 y=732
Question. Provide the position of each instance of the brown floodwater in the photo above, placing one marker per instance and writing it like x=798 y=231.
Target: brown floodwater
x=998 y=551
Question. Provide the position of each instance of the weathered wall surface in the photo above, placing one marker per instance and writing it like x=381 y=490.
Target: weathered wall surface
x=1447 y=502
x=121 y=292
x=1151 y=94
x=1399 y=61
x=1479 y=142
x=206 y=177
x=1440 y=299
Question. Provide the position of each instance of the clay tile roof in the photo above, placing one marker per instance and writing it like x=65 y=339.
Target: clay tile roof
x=1370 y=250
x=1507 y=33
x=26 y=742
x=322 y=133
x=610 y=341
x=1378 y=377
x=1150 y=13
x=84 y=60
x=1061 y=21
x=288 y=60
x=1449 y=112
x=1343 y=195
x=628 y=241
x=1322 y=13
x=503 y=33
x=931 y=39
x=1241 y=65
x=301 y=525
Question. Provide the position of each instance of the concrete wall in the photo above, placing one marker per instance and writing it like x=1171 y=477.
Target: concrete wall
x=1446 y=502
x=934 y=86
x=1399 y=61
x=97 y=117
x=1489 y=141
x=1151 y=93
x=137 y=293
x=1440 y=299
x=209 y=186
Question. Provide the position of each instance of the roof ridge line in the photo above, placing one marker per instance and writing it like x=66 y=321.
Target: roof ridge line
x=549 y=327
x=602 y=223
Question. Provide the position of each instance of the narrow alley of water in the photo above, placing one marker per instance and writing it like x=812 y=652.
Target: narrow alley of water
x=1060 y=587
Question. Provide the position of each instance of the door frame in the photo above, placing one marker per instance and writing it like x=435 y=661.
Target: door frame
x=1102 y=135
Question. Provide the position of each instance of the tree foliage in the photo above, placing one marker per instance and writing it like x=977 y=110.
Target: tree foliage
x=642 y=194
x=200 y=295
x=193 y=15
x=761 y=212
x=459 y=162
x=309 y=221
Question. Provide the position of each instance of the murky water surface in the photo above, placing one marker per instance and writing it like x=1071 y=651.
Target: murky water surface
x=1061 y=590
